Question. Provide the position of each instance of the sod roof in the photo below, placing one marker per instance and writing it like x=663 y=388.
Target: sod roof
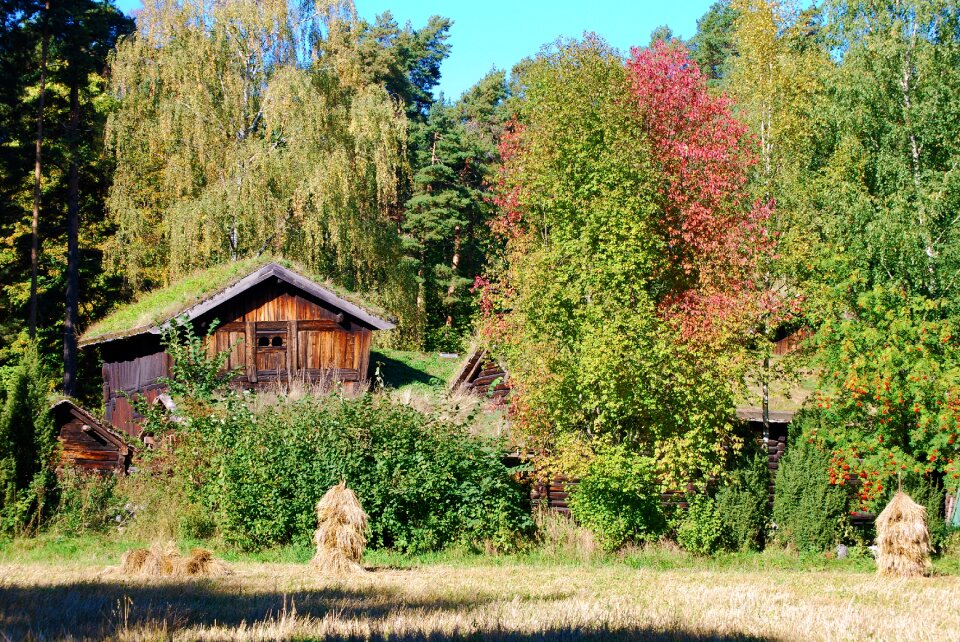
x=200 y=291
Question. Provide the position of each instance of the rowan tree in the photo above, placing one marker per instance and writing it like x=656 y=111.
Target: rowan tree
x=884 y=184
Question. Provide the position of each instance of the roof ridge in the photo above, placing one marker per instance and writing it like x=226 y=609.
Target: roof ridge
x=232 y=288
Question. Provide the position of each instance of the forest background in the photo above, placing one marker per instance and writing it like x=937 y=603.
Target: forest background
x=787 y=167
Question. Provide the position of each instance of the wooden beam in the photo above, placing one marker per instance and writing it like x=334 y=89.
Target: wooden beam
x=293 y=347
x=250 y=339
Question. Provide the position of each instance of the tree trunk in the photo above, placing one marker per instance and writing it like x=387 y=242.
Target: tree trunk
x=765 y=410
x=454 y=267
x=35 y=228
x=73 y=248
x=422 y=288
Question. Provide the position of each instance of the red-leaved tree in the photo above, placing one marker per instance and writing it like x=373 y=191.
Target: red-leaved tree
x=717 y=238
x=632 y=255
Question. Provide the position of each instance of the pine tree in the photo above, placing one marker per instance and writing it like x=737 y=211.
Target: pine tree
x=445 y=220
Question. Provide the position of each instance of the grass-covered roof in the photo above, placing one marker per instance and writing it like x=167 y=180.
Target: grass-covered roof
x=156 y=307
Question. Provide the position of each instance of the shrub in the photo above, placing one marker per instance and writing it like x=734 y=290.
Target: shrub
x=27 y=443
x=618 y=498
x=809 y=511
x=743 y=504
x=735 y=517
x=701 y=530
x=254 y=471
x=89 y=502
x=426 y=482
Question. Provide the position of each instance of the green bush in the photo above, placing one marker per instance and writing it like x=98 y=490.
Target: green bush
x=424 y=481
x=808 y=511
x=88 y=502
x=27 y=443
x=735 y=517
x=618 y=498
x=701 y=530
x=743 y=504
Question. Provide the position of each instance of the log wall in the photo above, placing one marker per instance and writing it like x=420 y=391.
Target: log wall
x=273 y=332
x=483 y=376
x=86 y=445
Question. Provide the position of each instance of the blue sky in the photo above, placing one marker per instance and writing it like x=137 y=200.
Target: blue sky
x=498 y=33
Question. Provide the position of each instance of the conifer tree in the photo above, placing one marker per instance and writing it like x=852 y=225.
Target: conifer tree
x=445 y=220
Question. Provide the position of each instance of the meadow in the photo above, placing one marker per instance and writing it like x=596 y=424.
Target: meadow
x=65 y=589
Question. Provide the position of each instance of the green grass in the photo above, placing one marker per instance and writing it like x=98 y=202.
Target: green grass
x=162 y=304
x=102 y=550
x=53 y=547
x=402 y=369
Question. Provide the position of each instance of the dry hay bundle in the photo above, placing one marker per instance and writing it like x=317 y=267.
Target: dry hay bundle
x=166 y=561
x=202 y=563
x=341 y=532
x=903 y=541
x=131 y=563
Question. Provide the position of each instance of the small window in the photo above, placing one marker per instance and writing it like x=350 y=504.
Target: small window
x=277 y=342
x=263 y=342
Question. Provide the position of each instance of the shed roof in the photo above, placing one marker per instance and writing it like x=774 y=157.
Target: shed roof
x=204 y=291
x=65 y=408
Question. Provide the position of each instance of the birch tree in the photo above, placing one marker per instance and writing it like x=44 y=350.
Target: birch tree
x=235 y=135
x=886 y=185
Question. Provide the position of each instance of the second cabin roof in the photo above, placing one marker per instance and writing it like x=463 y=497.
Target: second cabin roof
x=204 y=291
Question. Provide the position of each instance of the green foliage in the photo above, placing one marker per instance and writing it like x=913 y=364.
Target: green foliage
x=27 y=443
x=618 y=498
x=265 y=154
x=446 y=219
x=809 y=512
x=193 y=373
x=593 y=312
x=735 y=517
x=881 y=192
x=743 y=504
x=701 y=530
x=424 y=481
x=712 y=46
x=81 y=35
x=404 y=60
x=87 y=503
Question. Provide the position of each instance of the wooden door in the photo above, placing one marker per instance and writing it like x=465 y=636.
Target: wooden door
x=272 y=344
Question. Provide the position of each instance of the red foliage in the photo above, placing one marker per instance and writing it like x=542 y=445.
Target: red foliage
x=507 y=199
x=716 y=237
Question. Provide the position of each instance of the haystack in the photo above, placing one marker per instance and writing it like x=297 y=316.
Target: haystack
x=132 y=561
x=161 y=560
x=202 y=563
x=341 y=532
x=903 y=541
x=166 y=561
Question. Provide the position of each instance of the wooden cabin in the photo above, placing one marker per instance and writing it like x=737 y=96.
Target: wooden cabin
x=277 y=325
x=481 y=374
x=86 y=444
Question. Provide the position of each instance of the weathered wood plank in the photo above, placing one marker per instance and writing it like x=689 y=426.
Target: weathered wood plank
x=250 y=340
x=293 y=349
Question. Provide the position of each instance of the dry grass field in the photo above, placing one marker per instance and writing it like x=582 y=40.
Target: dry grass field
x=489 y=598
